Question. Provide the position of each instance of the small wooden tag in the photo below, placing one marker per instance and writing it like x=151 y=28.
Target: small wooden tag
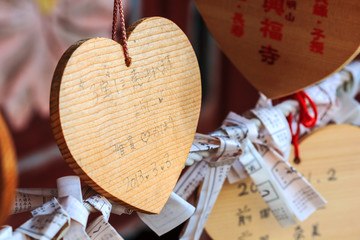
x=127 y=131
x=8 y=172
x=330 y=161
x=282 y=46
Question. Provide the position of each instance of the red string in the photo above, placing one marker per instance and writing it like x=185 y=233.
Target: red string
x=304 y=118
x=118 y=6
x=114 y=23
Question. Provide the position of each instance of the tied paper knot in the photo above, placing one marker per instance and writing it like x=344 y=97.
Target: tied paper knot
x=66 y=216
x=61 y=213
x=214 y=148
x=225 y=146
x=47 y=216
x=263 y=144
x=227 y=152
x=304 y=118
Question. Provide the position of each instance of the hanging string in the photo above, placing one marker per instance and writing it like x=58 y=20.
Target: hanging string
x=305 y=119
x=118 y=6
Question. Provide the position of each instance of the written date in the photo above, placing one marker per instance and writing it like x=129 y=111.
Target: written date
x=141 y=176
x=246 y=189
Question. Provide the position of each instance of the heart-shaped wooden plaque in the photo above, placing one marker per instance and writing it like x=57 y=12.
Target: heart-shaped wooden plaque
x=282 y=46
x=8 y=172
x=330 y=160
x=127 y=131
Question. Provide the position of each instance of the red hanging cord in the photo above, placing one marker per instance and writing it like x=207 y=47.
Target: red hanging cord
x=118 y=6
x=304 y=118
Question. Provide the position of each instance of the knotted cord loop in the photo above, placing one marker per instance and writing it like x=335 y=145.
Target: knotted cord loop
x=118 y=6
x=305 y=119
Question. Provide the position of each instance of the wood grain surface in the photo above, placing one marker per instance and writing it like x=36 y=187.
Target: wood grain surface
x=127 y=131
x=283 y=46
x=331 y=163
x=8 y=172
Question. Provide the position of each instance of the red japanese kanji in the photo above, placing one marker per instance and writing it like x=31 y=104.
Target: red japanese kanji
x=290 y=17
x=269 y=54
x=321 y=8
x=291 y=4
x=237 y=28
x=318 y=33
x=271 y=29
x=276 y=5
x=317 y=47
x=238 y=19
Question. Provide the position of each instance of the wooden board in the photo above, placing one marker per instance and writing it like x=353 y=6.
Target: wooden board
x=8 y=172
x=331 y=162
x=127 y=131
x=282 y=46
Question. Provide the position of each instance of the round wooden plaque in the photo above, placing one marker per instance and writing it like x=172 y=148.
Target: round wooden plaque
x=8 y=172
x=283 y=46
x=331 y=163
x=127 y=131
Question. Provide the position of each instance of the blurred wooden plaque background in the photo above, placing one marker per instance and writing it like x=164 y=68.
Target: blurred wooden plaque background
x=331 y=163
x=8 y=172
x=282 y=46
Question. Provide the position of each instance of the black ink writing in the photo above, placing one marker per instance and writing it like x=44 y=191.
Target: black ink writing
x=139 y=177
x=243 y=215
x=299 y=233
x=145 y=136
x=244 y=189
x=119 y=148
x=264 y=213
x=265 y=193
x=315 y=230
x=331 y=176
x=245 y=235
x=266 y=237
x=332 y=173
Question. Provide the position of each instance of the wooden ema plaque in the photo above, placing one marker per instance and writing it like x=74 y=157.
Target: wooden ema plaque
x=8 y=172
x=127 y=131
x=331 y=163
x=283 y=46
